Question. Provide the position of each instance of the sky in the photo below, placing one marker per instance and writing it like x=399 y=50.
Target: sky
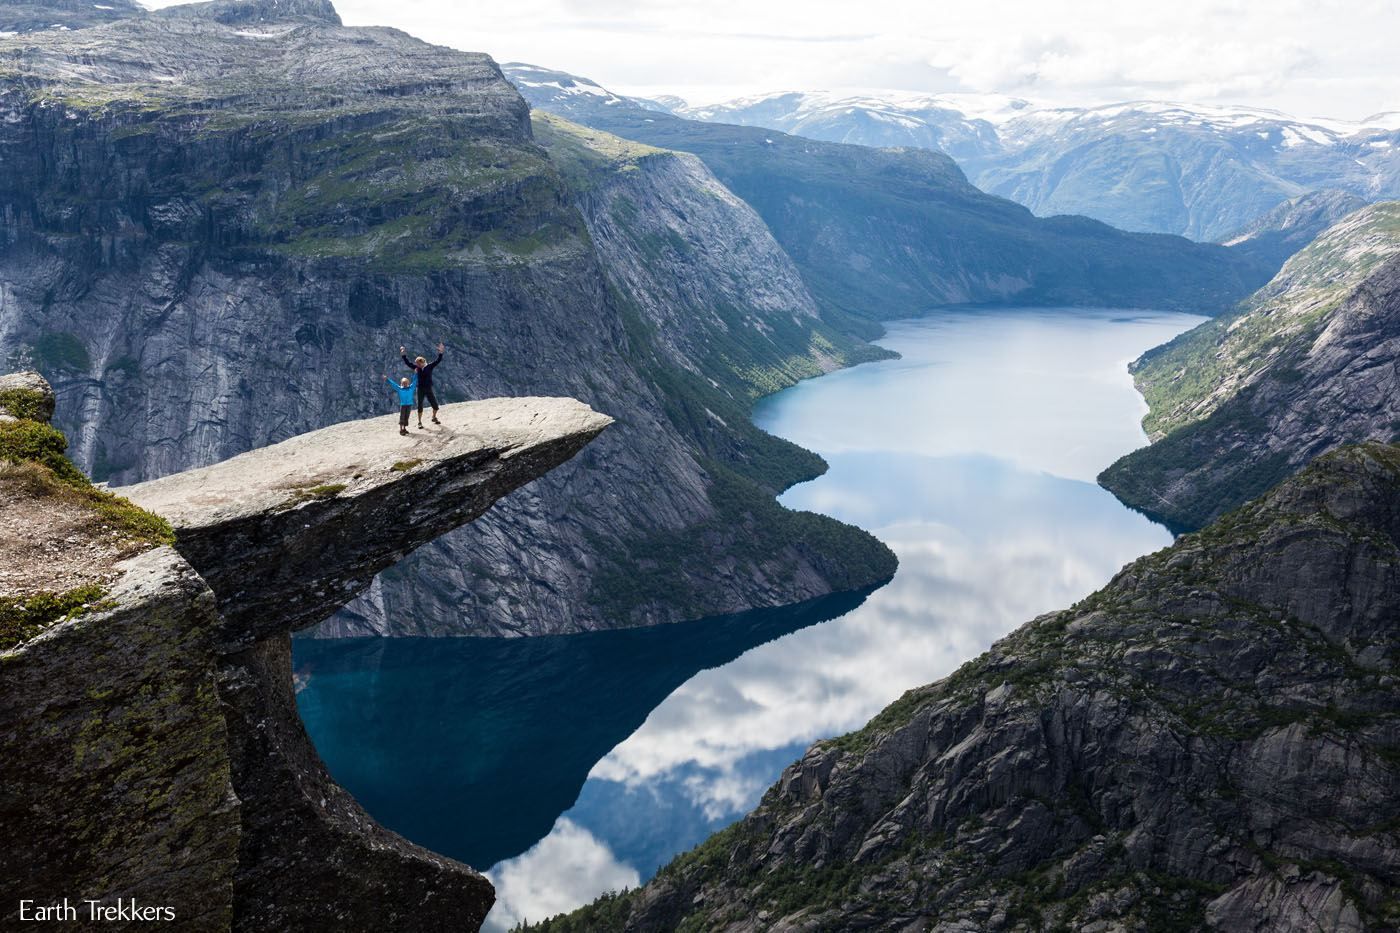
x=1332 y=58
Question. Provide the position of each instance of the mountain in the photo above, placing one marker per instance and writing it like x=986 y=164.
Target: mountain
x=62 y=15
x=1306 y=364
x=962 y=127
x=1286 y=229
x=880 y=234
x=1199 y=171
x=219 y=222
x=1212 y=741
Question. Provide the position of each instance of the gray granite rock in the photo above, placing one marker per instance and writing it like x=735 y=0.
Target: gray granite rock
x=288 y=534
x=1209 y=742
x=151 y=748
x=114 y=758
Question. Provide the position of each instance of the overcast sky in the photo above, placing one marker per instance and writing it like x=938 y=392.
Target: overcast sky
x=1310 y=57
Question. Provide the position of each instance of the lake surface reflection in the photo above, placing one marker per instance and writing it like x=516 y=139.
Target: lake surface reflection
x=577 y=764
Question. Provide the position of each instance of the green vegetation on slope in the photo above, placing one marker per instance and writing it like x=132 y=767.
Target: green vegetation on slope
x=1243 y=401
x=51 y=474
x=747 y=468
x=23 y=617
x=1189 y=377
x=741 y=355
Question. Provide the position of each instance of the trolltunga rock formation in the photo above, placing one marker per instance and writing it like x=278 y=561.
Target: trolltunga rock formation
x=151 y=750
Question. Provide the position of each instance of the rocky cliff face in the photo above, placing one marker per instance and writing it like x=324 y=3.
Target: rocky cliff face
x=1283 y=231
x=1310 y=362
x=150 y=747
x=62 y=15
x=882 y=234
x=247 y=208
x=1209 y=742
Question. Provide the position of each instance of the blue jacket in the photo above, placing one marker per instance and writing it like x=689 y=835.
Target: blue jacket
x=405 y=392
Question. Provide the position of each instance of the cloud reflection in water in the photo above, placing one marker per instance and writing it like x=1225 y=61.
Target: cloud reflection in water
x=972 y=457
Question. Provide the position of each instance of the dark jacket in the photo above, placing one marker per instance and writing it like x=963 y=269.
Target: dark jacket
x=425 y=374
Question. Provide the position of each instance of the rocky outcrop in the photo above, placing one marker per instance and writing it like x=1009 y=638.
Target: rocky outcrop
x=214 y=234
x=150 y=747
x=114 y=756
x=1310 y=362
x=355 y=498
x=22 y=16
x=1209 y=742
x=26 y=395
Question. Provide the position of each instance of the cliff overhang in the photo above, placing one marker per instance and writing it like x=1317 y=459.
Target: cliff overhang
x=150 y=745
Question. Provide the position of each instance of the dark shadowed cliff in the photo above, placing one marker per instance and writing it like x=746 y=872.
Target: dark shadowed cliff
x=1212 y=741
x=1309 y=362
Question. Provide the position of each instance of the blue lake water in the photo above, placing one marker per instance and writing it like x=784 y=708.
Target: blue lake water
x=577 y=764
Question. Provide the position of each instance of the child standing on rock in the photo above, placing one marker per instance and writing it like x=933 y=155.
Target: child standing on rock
x=405 y=389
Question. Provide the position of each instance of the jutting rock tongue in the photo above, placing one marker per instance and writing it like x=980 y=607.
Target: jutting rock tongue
x=150 y=746
x=288 y=534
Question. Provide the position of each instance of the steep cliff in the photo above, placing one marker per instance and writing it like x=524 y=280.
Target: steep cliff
x=150 y=748
x=1280 y=233
x=219 y=222
x=887 y=233
x=1212 y=741
x=1310 y=362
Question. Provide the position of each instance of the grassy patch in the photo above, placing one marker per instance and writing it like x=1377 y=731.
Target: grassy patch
x=36 y=442
x=312 y=494
x=23 y=617
x=26 y=404
x=40 y=447
x=403 y=466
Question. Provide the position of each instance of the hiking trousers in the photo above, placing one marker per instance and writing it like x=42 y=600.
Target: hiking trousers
x=426 y=393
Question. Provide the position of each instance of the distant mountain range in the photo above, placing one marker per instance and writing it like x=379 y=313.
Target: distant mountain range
x=883 y=233
x=1199 y=171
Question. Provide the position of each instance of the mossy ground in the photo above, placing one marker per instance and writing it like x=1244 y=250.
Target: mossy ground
x=40 y=481
x=23 y=617
x=313 y=493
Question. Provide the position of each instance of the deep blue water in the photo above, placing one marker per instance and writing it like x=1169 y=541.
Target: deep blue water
x=576 y=764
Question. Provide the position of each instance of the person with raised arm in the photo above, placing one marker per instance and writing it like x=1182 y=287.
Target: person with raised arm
x=405 y=388
x=423 y=378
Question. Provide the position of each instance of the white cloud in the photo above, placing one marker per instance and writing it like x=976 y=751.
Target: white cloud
x=567 y=868
x=1289 y=54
